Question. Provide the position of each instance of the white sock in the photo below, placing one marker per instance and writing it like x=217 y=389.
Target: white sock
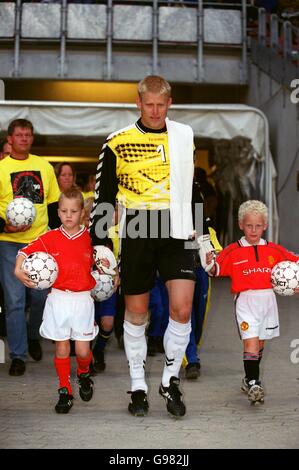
x=176 y=340
x=136 y=349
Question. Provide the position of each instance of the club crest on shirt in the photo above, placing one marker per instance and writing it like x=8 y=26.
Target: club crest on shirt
x=244 y=326
x=271 y=260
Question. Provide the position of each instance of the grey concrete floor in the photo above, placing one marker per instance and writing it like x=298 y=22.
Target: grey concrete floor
x=218 y=414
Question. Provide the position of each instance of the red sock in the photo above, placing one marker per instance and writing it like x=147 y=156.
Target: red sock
x=63 y=369
x=83 y=364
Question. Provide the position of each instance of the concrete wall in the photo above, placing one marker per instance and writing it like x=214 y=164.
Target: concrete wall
x=283 y=116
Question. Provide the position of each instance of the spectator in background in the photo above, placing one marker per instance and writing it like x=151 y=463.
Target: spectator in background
x=89 y=188
x=104 y=311
x=26 y=175
x=66 y=175
x=210 y=199
x=5 y=149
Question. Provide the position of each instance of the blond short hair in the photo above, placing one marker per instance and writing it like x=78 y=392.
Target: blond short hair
x=255 y=207
x=72 y=193
x=154 y=84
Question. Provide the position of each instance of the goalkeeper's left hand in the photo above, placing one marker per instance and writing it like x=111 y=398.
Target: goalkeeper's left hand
x=206 y=252
x=104 y=259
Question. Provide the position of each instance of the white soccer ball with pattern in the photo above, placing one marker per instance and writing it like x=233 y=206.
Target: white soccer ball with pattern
x=42 y=269
x=285 y=277
x=104 y=287
x=20 y=211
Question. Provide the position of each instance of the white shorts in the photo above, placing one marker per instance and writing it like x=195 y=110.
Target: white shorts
x=257 y=314
x=69 y=315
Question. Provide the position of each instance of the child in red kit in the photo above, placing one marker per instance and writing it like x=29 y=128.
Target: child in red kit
x=69 y=309
x=249 y=262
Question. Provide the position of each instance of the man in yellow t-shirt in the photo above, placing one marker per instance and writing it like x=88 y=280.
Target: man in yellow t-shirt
x=23 y=175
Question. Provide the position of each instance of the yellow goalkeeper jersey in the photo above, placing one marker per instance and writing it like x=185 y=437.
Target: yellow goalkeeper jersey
x=142 y=168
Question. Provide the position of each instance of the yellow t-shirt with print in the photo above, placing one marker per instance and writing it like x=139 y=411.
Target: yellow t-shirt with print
x=35 y=179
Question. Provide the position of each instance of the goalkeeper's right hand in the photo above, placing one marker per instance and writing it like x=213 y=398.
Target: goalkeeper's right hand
x=206 y=252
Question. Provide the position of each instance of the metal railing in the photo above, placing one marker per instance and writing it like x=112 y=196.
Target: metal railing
x=195 y=13
x=279 y=35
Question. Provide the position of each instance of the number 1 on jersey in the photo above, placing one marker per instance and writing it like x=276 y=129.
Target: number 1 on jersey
x=160 y=149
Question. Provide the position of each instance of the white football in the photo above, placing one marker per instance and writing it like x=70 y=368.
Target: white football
x=42 y=269
x=99 y=253
x=20 y=211
x=104 y=287
x=285 y=277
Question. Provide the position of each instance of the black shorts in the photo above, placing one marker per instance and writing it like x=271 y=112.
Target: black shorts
x=143 y=258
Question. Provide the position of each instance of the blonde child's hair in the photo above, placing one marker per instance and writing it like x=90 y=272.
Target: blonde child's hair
x=154 y=84
x=253 y=206
x=72 y=193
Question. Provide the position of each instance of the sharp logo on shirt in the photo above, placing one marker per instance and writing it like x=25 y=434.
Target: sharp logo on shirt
x=244 y=326
x=249 y=271
x=28 y=184
x=271 y=260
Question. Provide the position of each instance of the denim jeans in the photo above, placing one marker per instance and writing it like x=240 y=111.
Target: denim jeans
x=15 y=302
x=199 y=311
